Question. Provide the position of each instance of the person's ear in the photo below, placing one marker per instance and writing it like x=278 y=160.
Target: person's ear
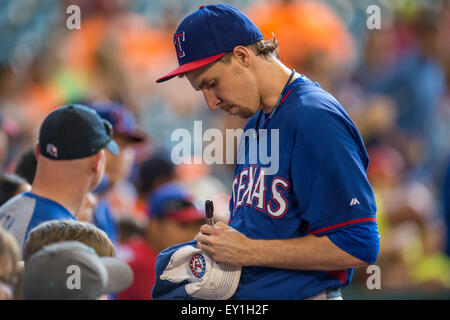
x=243 y=56
x=98 y=161
x=37 y=152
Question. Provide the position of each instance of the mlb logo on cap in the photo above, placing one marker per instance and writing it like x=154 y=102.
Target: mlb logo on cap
x=52 y=150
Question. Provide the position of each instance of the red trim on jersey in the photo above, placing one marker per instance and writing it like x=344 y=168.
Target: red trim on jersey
x=341 y=275
x=285 y=96
x=343 y=224
x=266 y=118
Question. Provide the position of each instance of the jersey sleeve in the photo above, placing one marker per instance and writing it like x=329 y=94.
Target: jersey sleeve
x=361 y=241
x=329 y=164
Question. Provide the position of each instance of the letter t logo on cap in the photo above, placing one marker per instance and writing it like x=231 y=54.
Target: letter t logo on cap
x=177 y=38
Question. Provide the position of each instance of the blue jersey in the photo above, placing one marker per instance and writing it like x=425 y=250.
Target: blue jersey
x=319 y=185
x=25 y=211
x=104 y=219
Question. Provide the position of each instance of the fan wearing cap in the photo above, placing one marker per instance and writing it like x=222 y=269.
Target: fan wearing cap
x=299 y=229
x=173 y=219
x=70 y=270
x=70 y=163
x=118 y=166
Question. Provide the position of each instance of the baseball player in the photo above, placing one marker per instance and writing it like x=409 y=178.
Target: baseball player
x=298 y=232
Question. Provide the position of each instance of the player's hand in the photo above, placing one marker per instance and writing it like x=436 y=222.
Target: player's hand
x=224 y=244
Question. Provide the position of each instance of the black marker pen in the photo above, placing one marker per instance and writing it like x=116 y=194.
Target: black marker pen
x=209 y=210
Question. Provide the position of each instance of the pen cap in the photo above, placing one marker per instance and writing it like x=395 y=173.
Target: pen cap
x=209 y=209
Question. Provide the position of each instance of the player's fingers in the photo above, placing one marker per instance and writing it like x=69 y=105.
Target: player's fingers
x=206 y=229
x=203 y=238
x=204 y=246
x=222 y=225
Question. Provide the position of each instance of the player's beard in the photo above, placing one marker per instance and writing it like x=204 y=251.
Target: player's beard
x=242 y=112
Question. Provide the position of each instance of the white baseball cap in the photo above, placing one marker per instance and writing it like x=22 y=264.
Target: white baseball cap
x=185 y=272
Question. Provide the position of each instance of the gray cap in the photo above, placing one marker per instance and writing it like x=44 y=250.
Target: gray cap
x=71 y=270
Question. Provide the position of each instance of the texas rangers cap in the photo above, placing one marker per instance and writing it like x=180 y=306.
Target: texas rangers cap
x=184 y=272
x=73 y=132
x=207 y=34
x=71 y=270
x=121 y=118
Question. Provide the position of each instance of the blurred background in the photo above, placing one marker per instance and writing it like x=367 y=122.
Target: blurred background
x=393 y=81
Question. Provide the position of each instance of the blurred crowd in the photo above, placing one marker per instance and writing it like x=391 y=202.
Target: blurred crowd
x=394 y=81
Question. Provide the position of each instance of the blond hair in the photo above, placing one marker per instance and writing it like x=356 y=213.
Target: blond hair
x=9 y=246
x=66 y=230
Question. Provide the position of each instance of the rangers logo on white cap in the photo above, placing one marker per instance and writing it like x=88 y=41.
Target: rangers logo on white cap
x=197 y=265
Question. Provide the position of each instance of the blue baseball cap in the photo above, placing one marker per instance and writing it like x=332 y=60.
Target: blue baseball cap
x=172 y=201
x=121 y=118
x=75 y=131
x=207 y=34
x=184 y=272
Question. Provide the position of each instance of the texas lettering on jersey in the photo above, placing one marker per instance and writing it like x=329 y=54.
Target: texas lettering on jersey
x=249 y=189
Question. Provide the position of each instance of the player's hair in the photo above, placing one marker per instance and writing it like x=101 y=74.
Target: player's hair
x=265 y=48
x=68 y=230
